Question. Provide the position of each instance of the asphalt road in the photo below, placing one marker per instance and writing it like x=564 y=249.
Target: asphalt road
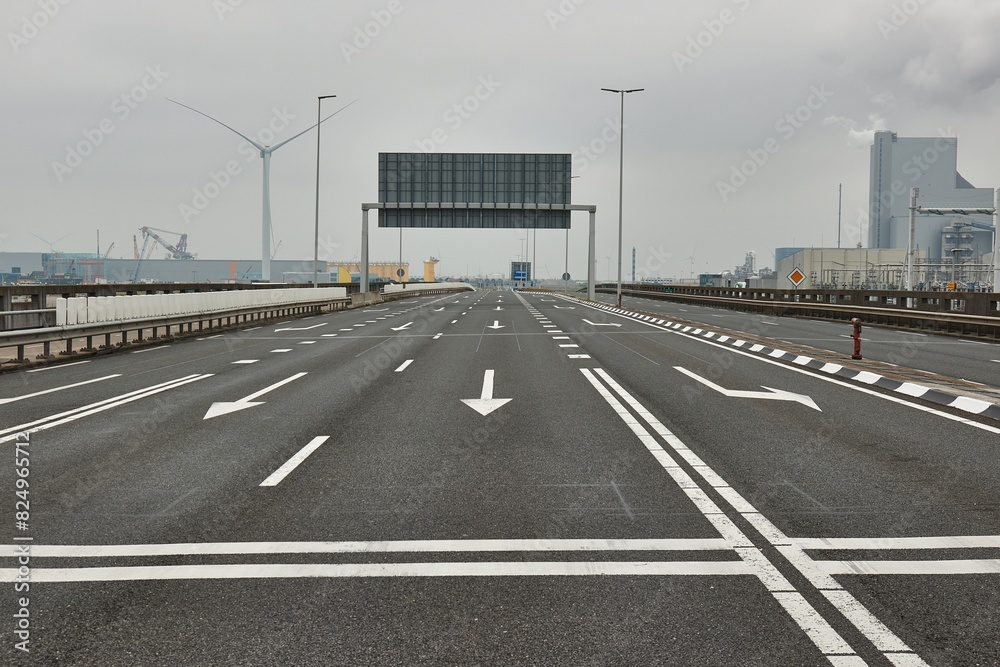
x=492 y=478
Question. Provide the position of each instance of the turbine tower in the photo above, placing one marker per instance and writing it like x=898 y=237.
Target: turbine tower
x=265 y=153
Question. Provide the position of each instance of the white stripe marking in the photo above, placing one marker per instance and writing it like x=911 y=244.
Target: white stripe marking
x=880 y=543
x=822 y=634
x=292 y=463
x=150 y=349
x=52 y=368
x=281 y=350
x=579 y=356
x=403 y=366
x=246 y=361
x=311 y=570
x=935 y=567
x=568 y=345
x=14 y=399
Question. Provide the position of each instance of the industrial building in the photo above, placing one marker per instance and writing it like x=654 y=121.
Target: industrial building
x=899 y=164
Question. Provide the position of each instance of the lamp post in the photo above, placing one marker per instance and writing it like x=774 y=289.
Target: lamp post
x=319 y=106
x=621 y=177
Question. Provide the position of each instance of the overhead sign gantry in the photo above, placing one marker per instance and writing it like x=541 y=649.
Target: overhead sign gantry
x=475 y=191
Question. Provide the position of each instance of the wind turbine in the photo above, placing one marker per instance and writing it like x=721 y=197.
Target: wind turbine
x=265 y=153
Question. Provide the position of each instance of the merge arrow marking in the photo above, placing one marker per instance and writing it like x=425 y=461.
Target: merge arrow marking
x=323 y=324
x=770 y=394
x=496 y=325
x=402 y=328
x=486 y=404
x=596 y=324
x=219 y=409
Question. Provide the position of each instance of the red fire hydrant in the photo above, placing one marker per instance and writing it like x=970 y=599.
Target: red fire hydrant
x=857 y=338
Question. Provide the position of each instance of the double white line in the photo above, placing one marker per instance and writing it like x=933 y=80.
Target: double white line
x=823 y=635
x=8 y=434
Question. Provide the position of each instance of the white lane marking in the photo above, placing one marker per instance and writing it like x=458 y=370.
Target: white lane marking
x=770 y=394
x=321 y=324
x=362 y=324
x=307 y=342
x=548 y=326
x=54 y=367
x=209 y=337
x=773 y=324
x=150 y=349
x=486 y=404
x=275 y=477
x=347 y=329
x=352 y=570
x=578 y=356
x=437 y=336
x=975 y=342
x=840 y=383
x=220 y=408
x=568 y=345
x=328 y=335
x=556 y=331
x=246 y=361
x=14 y=399
x=560 y=338
x=927 y=567
x=972 y=405
x=911 y=333
x=93 y=408
x=880 y=635
x=822 y=634
x=815 y=626
x=252 y=329
x=403 y=366
x=454 y=321
x=398 y=546
x=995 y=361
x=888 y=543
x=281 y=350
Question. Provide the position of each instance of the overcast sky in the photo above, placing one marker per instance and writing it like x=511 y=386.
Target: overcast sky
x=801 y=84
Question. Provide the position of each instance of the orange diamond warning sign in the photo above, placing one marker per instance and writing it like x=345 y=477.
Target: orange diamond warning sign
x=796 y=276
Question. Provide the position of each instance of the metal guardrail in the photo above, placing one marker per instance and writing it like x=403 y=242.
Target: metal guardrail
x=929 y=311
x=219 y=320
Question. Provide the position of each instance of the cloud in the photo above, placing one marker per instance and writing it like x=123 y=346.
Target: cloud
x=858 y=136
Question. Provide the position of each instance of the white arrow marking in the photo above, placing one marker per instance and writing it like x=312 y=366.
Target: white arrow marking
x=301 y=328
x=5 y=401
x=770 y=394
x=496 y=325
x=595 y=324
x=486 y=404
x=402 y=328
x=219 y=409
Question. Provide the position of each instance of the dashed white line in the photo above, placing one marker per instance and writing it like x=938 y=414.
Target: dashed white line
x=246 y=361
x=403 y=366
x=307 y=342
x=290 y=465
x=51 y=368
x=281 y=350
x=150 y=349
x=568 y=345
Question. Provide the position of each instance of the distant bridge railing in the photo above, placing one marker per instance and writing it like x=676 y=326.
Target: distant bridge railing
x=958 y=313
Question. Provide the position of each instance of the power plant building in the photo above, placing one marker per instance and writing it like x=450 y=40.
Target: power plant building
x=899 y=164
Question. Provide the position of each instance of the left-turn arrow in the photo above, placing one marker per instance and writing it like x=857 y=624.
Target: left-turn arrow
x=770 y=394
x=219 y=409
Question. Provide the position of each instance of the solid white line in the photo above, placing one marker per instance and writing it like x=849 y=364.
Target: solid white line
x=275 y=477
x=404 y=365
x=758 y=563
x=56 y=366
x=399 y=546
x=150 y=349
x=911 y=333
x=936 y=567
x=272 y=387
x=87 y=410
x=313 y=570
x=874 y=629
x=820 y=632
x=14 y=399
x=880 y=543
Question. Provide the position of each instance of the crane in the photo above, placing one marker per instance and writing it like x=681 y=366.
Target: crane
x=140 y=257
x=178 y=251
x=108 y=251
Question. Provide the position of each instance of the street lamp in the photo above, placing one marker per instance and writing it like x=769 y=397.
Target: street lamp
x=319 y=106
x=621 y=177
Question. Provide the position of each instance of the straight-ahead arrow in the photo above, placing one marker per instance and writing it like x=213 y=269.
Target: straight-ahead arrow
x=595 y=324
x=219 y=409
x=498 y=308
x=486 y=404
x=402 y=328
x=770 y=394
x=496 y=325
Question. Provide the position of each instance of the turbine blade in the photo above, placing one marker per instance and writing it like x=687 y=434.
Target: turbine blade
x=280 y=144
x=257 y=145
